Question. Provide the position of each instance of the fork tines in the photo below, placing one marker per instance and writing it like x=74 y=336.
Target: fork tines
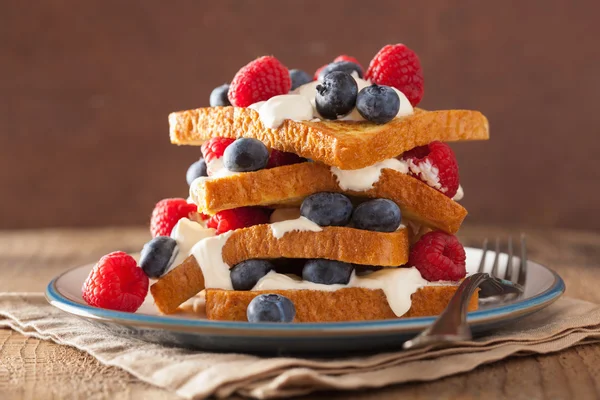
x=511 y=271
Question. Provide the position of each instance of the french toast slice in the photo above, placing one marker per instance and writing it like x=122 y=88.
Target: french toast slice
x=334 y=243
x=343 y=144
x=347 y=304
x=290 y=184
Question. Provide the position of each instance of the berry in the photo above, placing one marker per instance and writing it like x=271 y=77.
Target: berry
x=398 y=66
x=435 y=164
x=327 y=272
x=344 y=57
x=299 y=78
x=380 y=215
x=237 y=218
x=218 y=97
x=214 y=148
x=336 y=95
x=318 y=72
x=281 y=158
x=116 y=283
x=259 y=80
x=246 y=155
x=439 y=257
x=271 y=308
x=245 y=274
x=196 y=170
x=327 y=209
x=378 y=104
x=167 y=213
x=342 y=66
x=158 y=255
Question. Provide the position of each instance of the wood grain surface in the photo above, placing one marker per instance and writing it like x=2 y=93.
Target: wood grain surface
x=40 y=370
x=86 y=87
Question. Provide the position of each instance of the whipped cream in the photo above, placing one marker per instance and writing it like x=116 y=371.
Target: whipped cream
x=279 y=108
x=216 y=169
x=363 y=179
x=187 y=233
x=460 y=194
x=279 y=229
x=208 y=254
x=398 y=284
x=299 y=105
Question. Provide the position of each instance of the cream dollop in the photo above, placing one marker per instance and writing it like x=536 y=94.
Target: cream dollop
x=363 y=179
x=299 y=105
x=460 y=194
x=208 y=254
x=187 y=233
x=216 y=169
x=279 y=229
x=279 y=108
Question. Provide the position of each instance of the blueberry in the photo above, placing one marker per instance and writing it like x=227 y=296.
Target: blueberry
x=158 y=255
x=327 y=209
x=336 y=95
x=344 y=66
x=218 y=97
x=245 y=155
x=271 y=308
x=299 y=78
x=378 y=104
x=245 y=274
x=196 y=170
x=380 y=215
x=327 y=272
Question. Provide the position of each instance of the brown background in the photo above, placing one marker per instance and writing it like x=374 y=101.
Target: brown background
x=85 y=89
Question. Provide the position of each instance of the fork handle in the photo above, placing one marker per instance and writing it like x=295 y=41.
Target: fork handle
x=454 y=317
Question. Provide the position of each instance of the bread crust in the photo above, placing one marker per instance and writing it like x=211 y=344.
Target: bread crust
x=348 y=304
x=335 y=243
x=344 y=144
x=292 y=183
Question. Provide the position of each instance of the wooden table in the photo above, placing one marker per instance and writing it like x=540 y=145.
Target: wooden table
x=34 y=369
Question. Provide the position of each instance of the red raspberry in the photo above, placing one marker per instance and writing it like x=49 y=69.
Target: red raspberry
x=440 y=156
x=167 y=213
x=318 y=71
x=344 y=57
x=214 y=148
x=116 y=283
x=439 y=257
x=259 y=80
x=281 y=158
x=237 y=218
x=398 y=66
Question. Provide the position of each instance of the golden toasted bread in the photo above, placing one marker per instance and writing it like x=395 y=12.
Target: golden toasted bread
x=343 y=144
x=338 y=243
x=334 y=243
x=291 y=183
x=349 y=304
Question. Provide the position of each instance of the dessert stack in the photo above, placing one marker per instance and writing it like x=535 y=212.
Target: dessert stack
x=317 y=198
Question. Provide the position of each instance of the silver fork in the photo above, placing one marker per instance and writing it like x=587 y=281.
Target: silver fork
x=451 y=325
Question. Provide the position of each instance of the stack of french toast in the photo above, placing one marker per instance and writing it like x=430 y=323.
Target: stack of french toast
x=317 y=198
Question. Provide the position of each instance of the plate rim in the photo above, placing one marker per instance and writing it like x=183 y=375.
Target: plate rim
x=320 y=329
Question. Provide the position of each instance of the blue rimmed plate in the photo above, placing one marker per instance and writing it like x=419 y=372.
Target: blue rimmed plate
x=543 y=287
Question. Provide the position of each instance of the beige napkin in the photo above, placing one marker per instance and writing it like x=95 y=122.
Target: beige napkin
x=197 y=375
